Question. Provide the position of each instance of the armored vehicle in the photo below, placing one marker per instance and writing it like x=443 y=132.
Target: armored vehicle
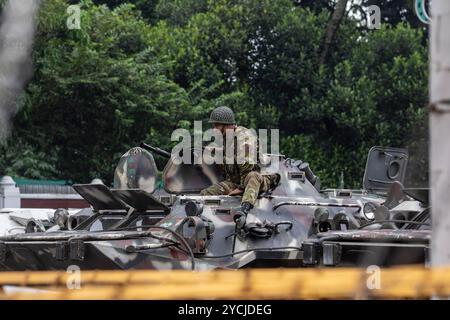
x=294 y=224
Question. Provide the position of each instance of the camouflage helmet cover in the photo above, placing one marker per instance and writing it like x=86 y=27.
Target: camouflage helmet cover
x=222 y=115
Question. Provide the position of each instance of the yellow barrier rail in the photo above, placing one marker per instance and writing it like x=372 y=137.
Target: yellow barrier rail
x=410 y=282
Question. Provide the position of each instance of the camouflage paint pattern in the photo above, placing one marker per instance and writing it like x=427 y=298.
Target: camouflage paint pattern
x=136 y=170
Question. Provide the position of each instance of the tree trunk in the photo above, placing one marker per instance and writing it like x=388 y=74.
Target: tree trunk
x=332 y=28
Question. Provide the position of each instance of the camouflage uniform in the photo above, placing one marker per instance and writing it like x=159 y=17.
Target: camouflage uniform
x=245 y=176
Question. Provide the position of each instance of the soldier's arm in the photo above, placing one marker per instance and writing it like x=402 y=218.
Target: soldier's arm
x=246 y=154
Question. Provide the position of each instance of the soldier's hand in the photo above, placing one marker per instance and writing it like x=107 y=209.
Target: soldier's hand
x=236 y=192
x=240 y=220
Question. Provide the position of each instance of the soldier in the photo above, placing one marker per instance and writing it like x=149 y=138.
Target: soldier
x=241 y=177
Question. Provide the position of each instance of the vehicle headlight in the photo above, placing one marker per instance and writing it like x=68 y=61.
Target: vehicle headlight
x=369 y=210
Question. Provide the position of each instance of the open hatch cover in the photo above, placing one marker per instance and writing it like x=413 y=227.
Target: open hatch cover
x=140 y=200
x=384 y=166
x=100 y=197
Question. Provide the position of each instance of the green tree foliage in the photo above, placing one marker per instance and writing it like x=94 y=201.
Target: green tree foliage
x=96 y=91
x=130 y=75
x=145 y=7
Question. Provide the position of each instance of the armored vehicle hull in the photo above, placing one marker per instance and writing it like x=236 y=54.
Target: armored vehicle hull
x=292 y=225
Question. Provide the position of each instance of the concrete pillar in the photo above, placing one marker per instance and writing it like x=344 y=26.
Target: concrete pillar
x=440 y=131
x=9 y=193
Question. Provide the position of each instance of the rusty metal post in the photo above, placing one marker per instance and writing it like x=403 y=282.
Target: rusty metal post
x=440 y=131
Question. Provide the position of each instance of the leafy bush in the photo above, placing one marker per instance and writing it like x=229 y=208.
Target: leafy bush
x=130 y=75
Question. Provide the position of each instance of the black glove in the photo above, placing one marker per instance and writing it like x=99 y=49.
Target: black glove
x=241 y=215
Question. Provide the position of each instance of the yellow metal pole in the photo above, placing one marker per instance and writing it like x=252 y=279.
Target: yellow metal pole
x=410 y=282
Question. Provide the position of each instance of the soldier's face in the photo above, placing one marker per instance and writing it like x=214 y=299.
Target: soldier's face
x=223 y=128
x=219 y=127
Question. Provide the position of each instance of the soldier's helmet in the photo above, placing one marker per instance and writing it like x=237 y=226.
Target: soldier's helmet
x=222 y=115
